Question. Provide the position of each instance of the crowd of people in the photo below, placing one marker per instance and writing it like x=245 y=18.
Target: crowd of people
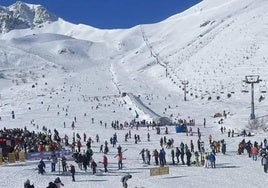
x=198 y=152
x=31 y=141
x=255 y=150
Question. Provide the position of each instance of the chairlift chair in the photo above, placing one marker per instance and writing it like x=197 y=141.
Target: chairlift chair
x=245 y=88
x=263 y=88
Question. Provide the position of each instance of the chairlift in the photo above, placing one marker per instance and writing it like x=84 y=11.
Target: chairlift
x=245 y=88
x=263 y=88
x=261 y=98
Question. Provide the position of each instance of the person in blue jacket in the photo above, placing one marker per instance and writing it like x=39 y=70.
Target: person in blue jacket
x=212 y=160
x=41 y=167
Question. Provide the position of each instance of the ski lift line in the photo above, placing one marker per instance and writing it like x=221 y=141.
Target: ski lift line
x=261 y=116
x=153 y=53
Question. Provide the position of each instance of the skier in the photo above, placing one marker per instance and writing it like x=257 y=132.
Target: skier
x=142 y=153
x=119 y=149
x=79 y=145
x=178 y=153
x=182 y=156
x=264 y=162
x=124 y=180
x=106 y=149
x=41 y=167
x=54 y=161
x=64 y=164
x=173 y=156
x=85 y=162
x=206 y=158
x=72 y=171
x=212 y=159
x=196 y=154
x=188 y=157
x=192 y=146
x=120 y=160
x=210 y=139
x=148 y=156
x=105 y=163
x=93 y=166
x=155 y=154
x=162 y=157
x=223 y=147
x=85 y=137
x=161 y=142
x=254 y=151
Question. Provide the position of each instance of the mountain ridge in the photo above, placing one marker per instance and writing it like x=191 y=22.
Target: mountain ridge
x=21 y=16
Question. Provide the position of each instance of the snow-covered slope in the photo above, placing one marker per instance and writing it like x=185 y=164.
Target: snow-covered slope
x=213 y=45
x=48 y=65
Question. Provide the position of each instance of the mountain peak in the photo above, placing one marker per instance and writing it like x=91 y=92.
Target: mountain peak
x=21 y=15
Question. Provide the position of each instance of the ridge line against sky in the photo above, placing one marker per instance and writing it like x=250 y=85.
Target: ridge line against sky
x=112 y=14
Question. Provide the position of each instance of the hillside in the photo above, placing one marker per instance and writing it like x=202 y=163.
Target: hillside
x=54 y=73
x=212 y=45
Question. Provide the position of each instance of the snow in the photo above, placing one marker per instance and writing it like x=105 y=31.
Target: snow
x=213 y=45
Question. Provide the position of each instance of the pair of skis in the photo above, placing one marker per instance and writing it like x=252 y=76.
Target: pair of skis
x=121 y=152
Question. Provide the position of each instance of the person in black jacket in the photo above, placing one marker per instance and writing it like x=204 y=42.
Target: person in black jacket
x=178 y=153
x=72 y=171
x=188 y=156
x=27 y=184
x=124 y=180
x=41 y=167
x=93 y=166
x=51 y=185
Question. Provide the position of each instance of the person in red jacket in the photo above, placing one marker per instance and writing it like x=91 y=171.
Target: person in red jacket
x=79 y=145
x=120 y=160
x=105 y=163
x=254 y=151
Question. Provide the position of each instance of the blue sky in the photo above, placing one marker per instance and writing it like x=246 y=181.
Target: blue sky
x=107 y=14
